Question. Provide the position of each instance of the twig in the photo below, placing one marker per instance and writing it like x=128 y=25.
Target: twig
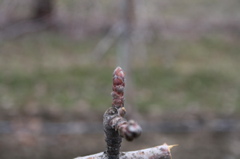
x=157 y=152
x=117 y=127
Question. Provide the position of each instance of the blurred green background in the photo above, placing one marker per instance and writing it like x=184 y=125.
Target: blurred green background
x=184 y=60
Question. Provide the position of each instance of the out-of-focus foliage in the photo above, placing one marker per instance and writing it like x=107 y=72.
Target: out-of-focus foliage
x=191 y=59
x=49 y=70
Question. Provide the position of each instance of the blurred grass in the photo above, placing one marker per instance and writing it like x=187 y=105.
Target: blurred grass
x=47 y=70
x=199 y=71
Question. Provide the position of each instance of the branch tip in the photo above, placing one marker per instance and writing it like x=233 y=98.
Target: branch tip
x=118 y=88
x=119 y=72
x=171 y=146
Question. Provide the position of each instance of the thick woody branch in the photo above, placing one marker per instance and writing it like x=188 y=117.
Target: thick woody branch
x=158 y=152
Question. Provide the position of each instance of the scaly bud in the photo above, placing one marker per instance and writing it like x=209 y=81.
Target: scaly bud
x=118 y=88
x=119 y=72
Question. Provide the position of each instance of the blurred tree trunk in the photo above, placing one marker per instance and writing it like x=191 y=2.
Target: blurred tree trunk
x=127 y=13
x=41 y=19
x=43 y=9
x=125 y=50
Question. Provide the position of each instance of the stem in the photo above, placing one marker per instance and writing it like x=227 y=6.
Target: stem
x=115 y=125
x=157 y=152
x=112 y=138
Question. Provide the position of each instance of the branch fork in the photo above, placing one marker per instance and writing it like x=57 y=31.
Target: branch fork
x=117 y=127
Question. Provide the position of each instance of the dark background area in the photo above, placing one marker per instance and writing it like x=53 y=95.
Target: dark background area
x=181 y=59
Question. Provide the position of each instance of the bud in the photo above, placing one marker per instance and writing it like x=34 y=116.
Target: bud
x=122 y=111
x=119 y=72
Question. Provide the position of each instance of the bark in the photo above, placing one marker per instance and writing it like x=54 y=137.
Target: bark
x=158 y=152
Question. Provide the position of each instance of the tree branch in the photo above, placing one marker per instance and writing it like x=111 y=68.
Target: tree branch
x=157 y=152
x=117 y=127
